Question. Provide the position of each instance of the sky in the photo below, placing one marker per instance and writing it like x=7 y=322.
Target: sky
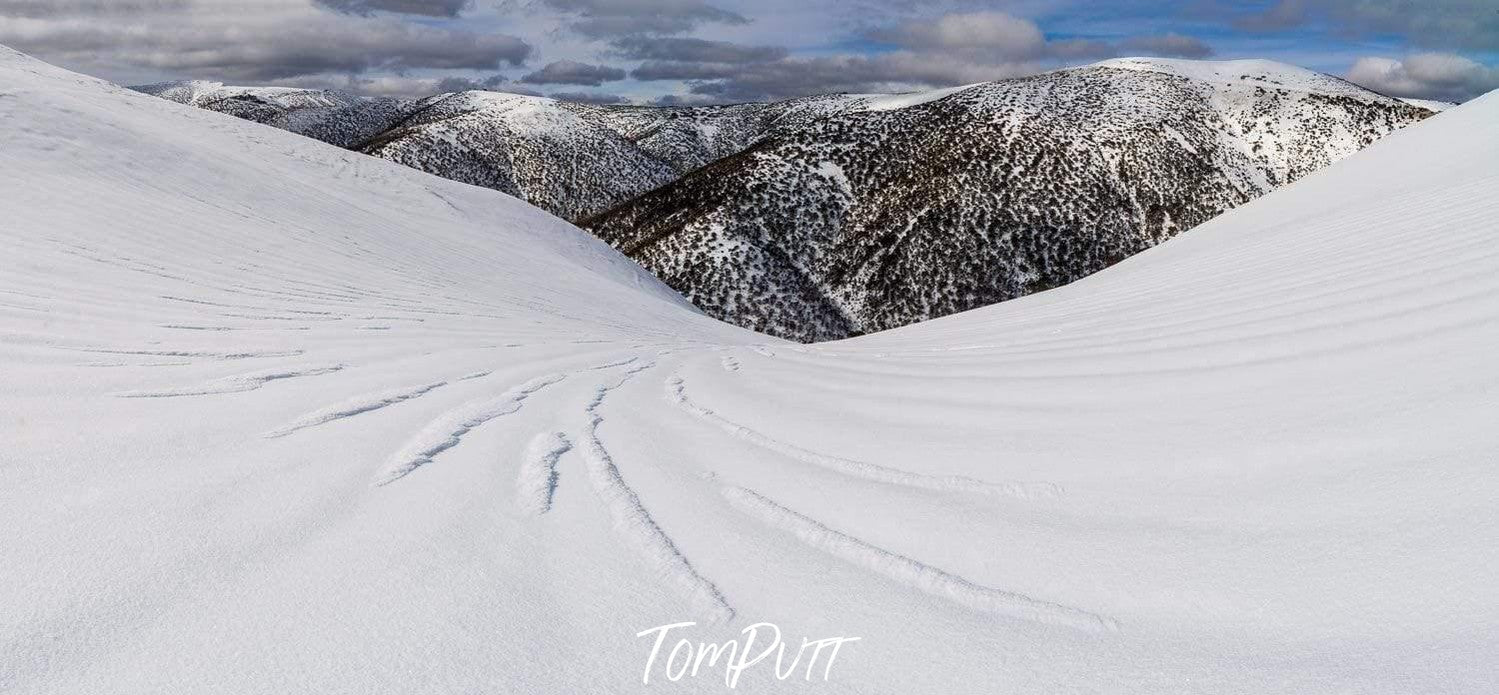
x=722 y=51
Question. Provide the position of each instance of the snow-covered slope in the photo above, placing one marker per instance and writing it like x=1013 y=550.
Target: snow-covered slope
x=873 y=219
x=282 y=418
x=1429 y=104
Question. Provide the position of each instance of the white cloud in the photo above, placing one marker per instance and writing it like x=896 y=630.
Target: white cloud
x=1443 y=76
x=988 y=34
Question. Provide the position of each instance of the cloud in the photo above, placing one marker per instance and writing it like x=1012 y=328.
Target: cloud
x=677 y=70
x=1441 y=76
x=589 y=98
x=614 y=18
x=1076 y=50
x=1167 y=45
x=1459 y=24
x=684 y=100
x=996 y=36
x=573 y=72
x=409 y=47
x=469 y=84
x=990 y=34
x=86 y=8
x=405 y=86
x=886 y=72
x=1284 y=14
x=694 y=50
x=934 y=52
x=379 y=86
x=692 y=59
x=428 y=8
x=282 y=40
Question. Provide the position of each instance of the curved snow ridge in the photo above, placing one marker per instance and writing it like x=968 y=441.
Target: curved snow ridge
x=912 y=573
x=676 y=391
x=631 y=518
x=204 y=354
x=447 y=431
x=233 y=384
x=186 y=327
x=616 y=363
x=353 y=406
x=537 y=480
x=278 y=317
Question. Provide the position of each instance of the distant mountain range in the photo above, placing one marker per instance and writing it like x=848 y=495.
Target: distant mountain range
x=831 y=216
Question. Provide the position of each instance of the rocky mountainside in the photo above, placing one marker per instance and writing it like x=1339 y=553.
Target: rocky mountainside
x=872 y=218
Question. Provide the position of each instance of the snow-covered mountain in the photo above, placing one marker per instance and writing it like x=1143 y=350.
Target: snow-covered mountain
x=567 y=158
x=870 y=220
x=334 y=117
x=281 y=418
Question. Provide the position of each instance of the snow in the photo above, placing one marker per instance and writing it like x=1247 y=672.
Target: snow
x=1429 y=104
x=199 y=92
x=1255 y=459
x=1269 y=73
x=890 y=102
x=835 y=173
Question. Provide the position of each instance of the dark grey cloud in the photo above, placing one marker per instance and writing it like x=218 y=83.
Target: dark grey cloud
x=694 y=50
x=1160 y=46
x=590 y=98
x=429 y=8
x=671 y=58
x=678 y=70
x=86 y=8
x=684 y=100
x=1440 y=76
x=614 y=18
x=393 y=47
x=1167 y=45
x=574 y=72
x=1282 y=15
x=469 y=84
x=261 y=49
x=1079 y=50
x=1459 y=24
